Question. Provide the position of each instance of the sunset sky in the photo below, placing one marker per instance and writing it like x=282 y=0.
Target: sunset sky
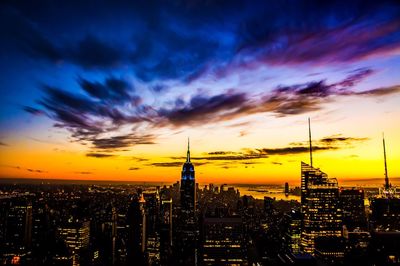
x=111 y=90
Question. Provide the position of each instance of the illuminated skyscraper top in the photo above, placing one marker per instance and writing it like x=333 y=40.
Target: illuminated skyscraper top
x=188 y=168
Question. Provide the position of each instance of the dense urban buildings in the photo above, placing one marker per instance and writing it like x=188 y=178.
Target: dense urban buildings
x=188 y=224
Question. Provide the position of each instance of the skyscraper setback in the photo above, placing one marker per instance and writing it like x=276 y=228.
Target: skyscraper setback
x=188 y=227
x=320 y=207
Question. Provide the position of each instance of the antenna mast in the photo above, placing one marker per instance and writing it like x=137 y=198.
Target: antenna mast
x=309 y=138
x=384 y=157
x=188 y=153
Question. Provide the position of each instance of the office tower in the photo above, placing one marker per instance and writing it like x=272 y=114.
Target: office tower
x=136 y=226
x=76 y=236
x=222 y=240
x=152 y=207
x=17 y=230
x=294 y=232
x=188 y=221
x=322 y=216
x=352 y=203
x=165 y=230
x=114 y=226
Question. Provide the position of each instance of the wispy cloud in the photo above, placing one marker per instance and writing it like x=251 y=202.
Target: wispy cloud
x=99 y=155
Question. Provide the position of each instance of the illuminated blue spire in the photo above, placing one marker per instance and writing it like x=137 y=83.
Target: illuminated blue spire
x=188 y=153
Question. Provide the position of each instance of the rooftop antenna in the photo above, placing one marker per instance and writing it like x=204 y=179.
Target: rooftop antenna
x=309 y=138
x=188 y=152
x=384 y=157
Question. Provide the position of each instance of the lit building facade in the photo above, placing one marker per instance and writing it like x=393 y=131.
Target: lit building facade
x=322 y=215
x=222 y=241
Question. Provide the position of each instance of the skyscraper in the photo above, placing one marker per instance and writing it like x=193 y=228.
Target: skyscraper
x=188 y=222
x=136 y=222
x=17 y=229
x=188 y=190
x=322 y=215
x=352 y=203
x=165 y=230
x=222 y=240
x=320 y=206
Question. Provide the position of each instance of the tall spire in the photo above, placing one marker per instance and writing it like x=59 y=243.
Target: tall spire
x=384 y=157
x=309 y=139
x=188 y=152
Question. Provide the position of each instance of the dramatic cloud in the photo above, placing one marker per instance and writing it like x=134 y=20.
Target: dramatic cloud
x=281 y=101
x=203 y=108
x=109 y=105
x=113 y=90
x=118 y=142
x=133 y=168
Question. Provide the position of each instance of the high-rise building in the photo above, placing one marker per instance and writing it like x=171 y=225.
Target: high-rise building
x=293 y=232
x=76 y=236
x=152 y=207
x=188 y=191
x=165 y=230
x=322 y=215
x=188 y=220
x=352 y=203
x=287 y=189
x=17 y=229
x=222 y=240
x=136 y=226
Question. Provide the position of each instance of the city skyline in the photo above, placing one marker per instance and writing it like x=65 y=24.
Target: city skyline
x=114 y=94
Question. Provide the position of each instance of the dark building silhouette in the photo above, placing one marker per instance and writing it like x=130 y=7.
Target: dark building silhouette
x=188 y=191
x=352 y=203
x=152 y=208
x=136 y=226
x=287 y=189
x=17 y=230
x=165 y=230
x=222 y=239
x=188 y=223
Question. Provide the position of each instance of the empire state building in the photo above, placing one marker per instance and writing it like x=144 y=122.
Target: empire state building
x=188 y=227
x=188 y=191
